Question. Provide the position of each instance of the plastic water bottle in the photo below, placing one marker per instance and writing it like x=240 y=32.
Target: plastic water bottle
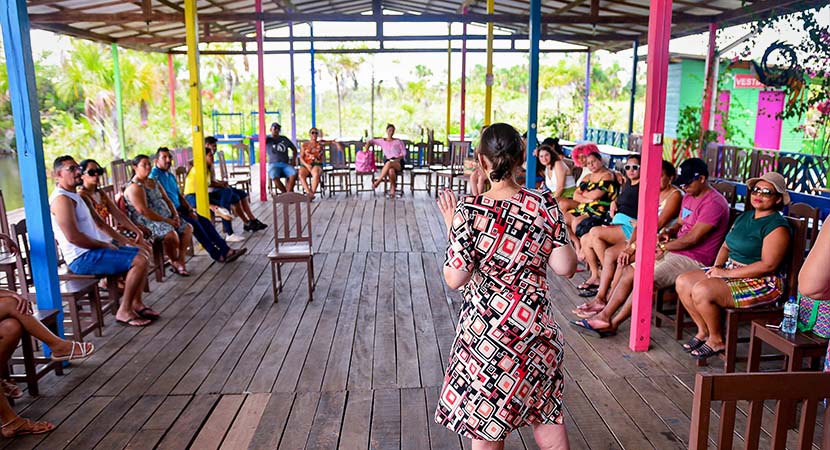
x=790 y=316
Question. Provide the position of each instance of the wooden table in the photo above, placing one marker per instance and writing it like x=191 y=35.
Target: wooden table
x=796 y=346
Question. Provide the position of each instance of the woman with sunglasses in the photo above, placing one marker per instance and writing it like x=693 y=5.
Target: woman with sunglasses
x=148 y=204
x=102 y=208
x=745 y=273
x=311 y=161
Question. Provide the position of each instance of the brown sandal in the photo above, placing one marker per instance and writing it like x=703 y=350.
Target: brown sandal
x=10 y=389
x=22 y=427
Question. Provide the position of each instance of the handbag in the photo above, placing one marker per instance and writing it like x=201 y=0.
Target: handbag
x=814 y=316
x=364 y=161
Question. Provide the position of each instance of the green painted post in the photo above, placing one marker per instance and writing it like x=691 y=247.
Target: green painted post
x=119 y=101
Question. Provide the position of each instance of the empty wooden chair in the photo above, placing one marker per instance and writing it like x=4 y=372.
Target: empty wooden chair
x=789 y=168
x=120 y=175
x=784 y=389
x=337 y=172
x=292 y=238
x=421 y=170
x=812 y=221
x=450 y=177
x=728 y=190
x=238 y=181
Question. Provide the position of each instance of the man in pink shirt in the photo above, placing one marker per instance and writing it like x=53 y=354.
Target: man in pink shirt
x=394 y=152
x=691 y=243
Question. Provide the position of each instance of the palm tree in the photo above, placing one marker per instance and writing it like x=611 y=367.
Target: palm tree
x=342 y=67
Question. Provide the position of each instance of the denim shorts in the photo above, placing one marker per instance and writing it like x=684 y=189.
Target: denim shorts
x=281 y=170
x=626 y=222
x=104 y=261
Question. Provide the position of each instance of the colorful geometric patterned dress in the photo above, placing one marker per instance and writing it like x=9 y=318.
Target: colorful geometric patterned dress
x=505 y=367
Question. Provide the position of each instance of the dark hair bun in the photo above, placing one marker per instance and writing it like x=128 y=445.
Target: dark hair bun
x=502 y=146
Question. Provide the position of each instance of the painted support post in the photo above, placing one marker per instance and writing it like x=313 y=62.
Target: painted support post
x=488 y=80
x=659 y=33
x=119 y=100
x=14 y=19
x=293 y=91
x=463 y=75
x=449 y=81
x=709 y=85
x=586 y=100
x=313 y=81
x=171 y=87
x=535 y=28
x=263 y=173
x=191 y=22
x=633 y=88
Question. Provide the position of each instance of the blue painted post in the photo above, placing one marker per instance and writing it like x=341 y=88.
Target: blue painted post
x=532 y=108
x=587 y=94
x=633 y=88
x=293 y=96
x=313 y=85
x=14 y=19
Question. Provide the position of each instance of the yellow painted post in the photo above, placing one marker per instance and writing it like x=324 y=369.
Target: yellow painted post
x=488 y=81
x=192 y=28
x=449 y=79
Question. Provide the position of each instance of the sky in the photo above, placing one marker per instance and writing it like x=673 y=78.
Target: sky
x=388 y=66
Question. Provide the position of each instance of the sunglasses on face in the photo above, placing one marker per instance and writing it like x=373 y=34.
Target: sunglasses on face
x=72 y=168
x=763 y=192
x=632 y=167
x=315 y=133
x=94 y=172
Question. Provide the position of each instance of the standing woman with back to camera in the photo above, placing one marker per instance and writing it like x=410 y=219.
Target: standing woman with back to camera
x=505 y=368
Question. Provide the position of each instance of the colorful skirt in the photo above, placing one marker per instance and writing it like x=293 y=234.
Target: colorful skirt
x=748 y=292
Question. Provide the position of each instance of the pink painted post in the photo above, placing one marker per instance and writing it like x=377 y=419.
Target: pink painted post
x=263 y=173
x=463 y=76
x=709 y=85
x=659 y=33
x=722 y=115
x=171 y=86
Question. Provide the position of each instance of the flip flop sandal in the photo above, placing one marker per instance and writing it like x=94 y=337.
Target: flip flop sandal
x=233 y=255
x=86 y=349
x=134 y=322
x=706 y=352
x=693 y=344
x=587 y=293
x=584 y=327
x=180 y=272
x=25 y=427
x=11 y=390
x=586 y=286
x=149 y=314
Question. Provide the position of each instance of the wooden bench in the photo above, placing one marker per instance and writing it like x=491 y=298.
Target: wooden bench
x=35 y=367
x=783 y=388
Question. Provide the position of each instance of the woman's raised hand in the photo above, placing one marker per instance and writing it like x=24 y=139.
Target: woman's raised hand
x=447 y=203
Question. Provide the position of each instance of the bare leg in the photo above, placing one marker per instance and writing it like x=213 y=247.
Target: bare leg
x=171 y=247
x=316 y=172
x=185 y=240
x=237 y=209
x=246 y=207
x=289 y=187
x=8 y=310
x=609 y=270
x=591 y=256
x=393 y=181
x=710 y=296
x=487 y=445
x=684 y=286
x=551 y=437
x=133 y=285
x=278 y=183
x=304 y=174
x=619 y=296
x=10 y=333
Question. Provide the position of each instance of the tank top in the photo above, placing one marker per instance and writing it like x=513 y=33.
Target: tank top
x=550 y=180
x=83 y=219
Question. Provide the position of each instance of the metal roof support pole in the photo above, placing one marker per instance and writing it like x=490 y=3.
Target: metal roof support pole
x=463 y=75
x=260 y=60
x=291 y=74
x=633 y=88
x=535 y=27
x=191 y=22
x=449 y=81
x=659 y=33
x=313 y=85
x=20 y=67
x=488 y=81
x=710 y=86
x=586 y=100
x=171 y=89
x=119 y=100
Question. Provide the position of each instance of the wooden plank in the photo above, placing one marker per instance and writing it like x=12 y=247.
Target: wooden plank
x=273 y=421
x=378 y=230
x=412 y=228
x=337 y=368
x=181 y=434
x=429 y=355
x=385 y=362
x=325 y=430
x=663 y=406
x=588 y=419
x=401 y=234
x=353 y=231
x=360 y=370
x=660 y=436
x=67 y=429
x=440 y=438
x=365 y=244
x=386 y=420
x=221 y=418
x=354 y=433
x=443 y=317
x=414 y=432
x=101 y=425
x=300 y=420
x=408 y=373
x=424 y=231
x=130 y=423
x=243 y=428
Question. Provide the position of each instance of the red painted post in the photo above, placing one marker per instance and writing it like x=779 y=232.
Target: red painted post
x=171 y=86
x=463 y=76
x=659 y=33
x=263 y=172
x=710 y=85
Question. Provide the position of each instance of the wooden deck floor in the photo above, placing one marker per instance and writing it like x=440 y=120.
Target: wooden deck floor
x=357 y=368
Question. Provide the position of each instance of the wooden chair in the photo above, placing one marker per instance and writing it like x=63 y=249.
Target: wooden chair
x=337 y=172
x=448 y=177
x=763 y=164
x=785 y=389
x=734 y=317
x=120 y=175
x=241 y=167
x=360 y=178
x=292 y=238
x=181 y=176
x=812 y=219
x=422 y=171
x=6 y=261
x=237 y=181
x=728 y=190
x=79 y=293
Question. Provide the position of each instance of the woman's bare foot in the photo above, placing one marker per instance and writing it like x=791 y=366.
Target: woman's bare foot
x=21 y=427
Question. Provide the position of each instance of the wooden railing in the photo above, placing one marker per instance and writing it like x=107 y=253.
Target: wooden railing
x=784 y=389
x=621 y=139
